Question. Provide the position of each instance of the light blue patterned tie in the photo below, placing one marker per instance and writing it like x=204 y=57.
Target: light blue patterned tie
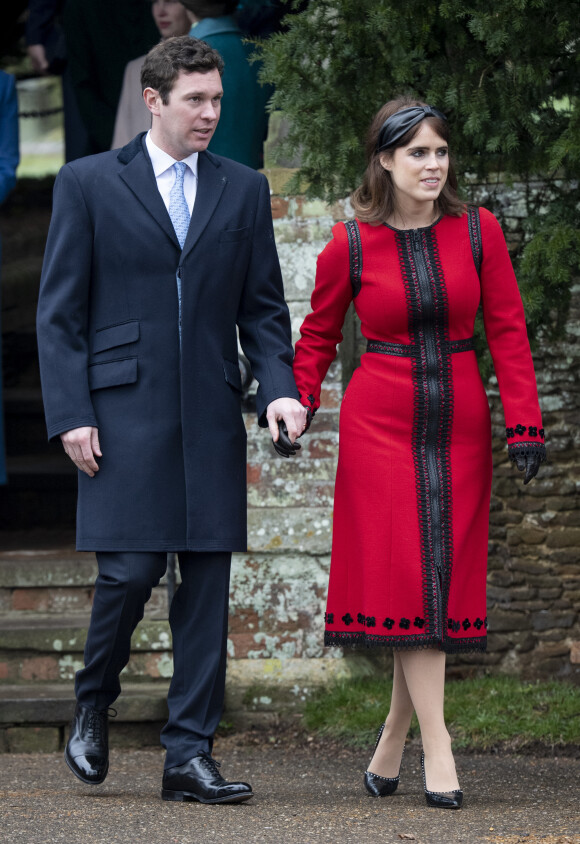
x=178 y=210
x=179 y=213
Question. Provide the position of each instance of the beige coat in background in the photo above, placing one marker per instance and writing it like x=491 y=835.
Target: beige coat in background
x=133 y=116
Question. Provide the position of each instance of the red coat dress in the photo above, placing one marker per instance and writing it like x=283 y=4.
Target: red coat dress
x=411 y=510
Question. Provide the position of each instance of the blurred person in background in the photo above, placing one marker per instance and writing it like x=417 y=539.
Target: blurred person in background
x=100 y=39
x=9 y=158
x=46 y=47
x=133 y=116
x=243 y=125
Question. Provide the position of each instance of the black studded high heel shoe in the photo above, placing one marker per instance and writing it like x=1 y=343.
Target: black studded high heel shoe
x=381 y=786
x=441 y=799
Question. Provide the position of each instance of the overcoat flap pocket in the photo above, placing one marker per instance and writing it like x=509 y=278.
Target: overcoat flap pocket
x=233 y=375
x=112 y=373
x=234 y=234
x=116 y=335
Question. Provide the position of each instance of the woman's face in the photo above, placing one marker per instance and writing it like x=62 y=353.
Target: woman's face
x=419 y=170
x=170 y=17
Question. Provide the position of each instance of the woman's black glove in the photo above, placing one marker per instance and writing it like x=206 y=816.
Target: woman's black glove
x=283 y=446
x=527 y=458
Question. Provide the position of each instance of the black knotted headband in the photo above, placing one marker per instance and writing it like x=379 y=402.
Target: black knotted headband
x=399 y=123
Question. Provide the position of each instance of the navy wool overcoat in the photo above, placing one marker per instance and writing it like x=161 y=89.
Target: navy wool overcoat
x=173 y=471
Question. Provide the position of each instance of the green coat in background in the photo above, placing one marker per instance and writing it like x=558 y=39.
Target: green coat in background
x=243 y=124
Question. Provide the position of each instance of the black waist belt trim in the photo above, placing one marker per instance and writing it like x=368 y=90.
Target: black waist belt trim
x=408 y=350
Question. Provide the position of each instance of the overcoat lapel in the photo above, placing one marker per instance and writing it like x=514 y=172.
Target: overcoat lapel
x=210 y=184
x=138 y=174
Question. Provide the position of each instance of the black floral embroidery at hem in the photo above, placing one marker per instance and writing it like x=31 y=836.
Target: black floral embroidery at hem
x=455 y=626
x=365 y=620
x=342 y=639
x=308 y=402
x=520 y=430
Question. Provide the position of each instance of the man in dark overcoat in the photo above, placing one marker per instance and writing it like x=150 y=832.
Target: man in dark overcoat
x=139 y=302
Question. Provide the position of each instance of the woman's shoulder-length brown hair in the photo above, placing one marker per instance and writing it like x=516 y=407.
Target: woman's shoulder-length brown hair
x=374 y=201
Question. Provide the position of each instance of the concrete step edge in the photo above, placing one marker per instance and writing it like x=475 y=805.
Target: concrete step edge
x=36 y=569
x=54 y=704
x=55 y=634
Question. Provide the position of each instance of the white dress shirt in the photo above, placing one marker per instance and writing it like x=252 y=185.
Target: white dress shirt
x=165 y=174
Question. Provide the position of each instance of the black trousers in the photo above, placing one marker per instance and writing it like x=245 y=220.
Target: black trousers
x=198 y=618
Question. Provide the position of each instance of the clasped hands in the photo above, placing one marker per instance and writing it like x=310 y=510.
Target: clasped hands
x=287 y=420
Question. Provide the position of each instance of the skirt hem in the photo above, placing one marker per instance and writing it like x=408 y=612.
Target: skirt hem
x=338 y=639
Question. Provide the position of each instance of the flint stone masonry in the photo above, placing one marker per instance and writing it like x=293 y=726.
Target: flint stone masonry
x=279 y=588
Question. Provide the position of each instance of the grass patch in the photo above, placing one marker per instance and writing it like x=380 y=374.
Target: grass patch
x=481 y=713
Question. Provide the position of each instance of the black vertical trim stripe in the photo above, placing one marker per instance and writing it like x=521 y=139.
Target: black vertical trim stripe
x=355 y=255
x=474 y=227
x=427 y=309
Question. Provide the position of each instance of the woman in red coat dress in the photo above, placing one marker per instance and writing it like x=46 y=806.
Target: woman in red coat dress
x=409 y=551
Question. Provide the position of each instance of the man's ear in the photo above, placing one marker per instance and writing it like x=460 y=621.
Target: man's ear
x=152 y=100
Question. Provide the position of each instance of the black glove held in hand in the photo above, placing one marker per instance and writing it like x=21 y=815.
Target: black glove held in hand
x=283 y=446
x=527 y=457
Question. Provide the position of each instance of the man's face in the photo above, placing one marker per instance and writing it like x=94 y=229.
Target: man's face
x=187 y=123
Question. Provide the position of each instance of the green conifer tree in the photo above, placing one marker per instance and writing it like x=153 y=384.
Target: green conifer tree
x=507 y=75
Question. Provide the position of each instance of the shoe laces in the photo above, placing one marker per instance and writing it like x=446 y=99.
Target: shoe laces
x=209 y=762
x=97 y=721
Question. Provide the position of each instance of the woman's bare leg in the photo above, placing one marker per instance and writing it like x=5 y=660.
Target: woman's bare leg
x=424 y=673
x=386 y=760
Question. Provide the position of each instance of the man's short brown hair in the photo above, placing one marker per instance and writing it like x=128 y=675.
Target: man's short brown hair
x=167 y=60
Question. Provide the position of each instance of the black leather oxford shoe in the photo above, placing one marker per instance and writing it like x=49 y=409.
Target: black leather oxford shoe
x=87 y=749
x=199 y=779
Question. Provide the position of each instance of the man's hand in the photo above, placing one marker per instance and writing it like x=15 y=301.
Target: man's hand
x=38 y=58
x=82 y=446
x=291 y=413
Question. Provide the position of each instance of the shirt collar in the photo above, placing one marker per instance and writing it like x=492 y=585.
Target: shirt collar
x=162 y=161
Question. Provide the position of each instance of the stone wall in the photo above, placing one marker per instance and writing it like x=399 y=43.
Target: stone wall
x=279 y=587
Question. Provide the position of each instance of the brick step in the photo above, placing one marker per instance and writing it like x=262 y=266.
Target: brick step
x=49 y=648
x=57 y=580
x=35 y=717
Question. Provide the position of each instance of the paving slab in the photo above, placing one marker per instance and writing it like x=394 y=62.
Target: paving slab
x=305 y=793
